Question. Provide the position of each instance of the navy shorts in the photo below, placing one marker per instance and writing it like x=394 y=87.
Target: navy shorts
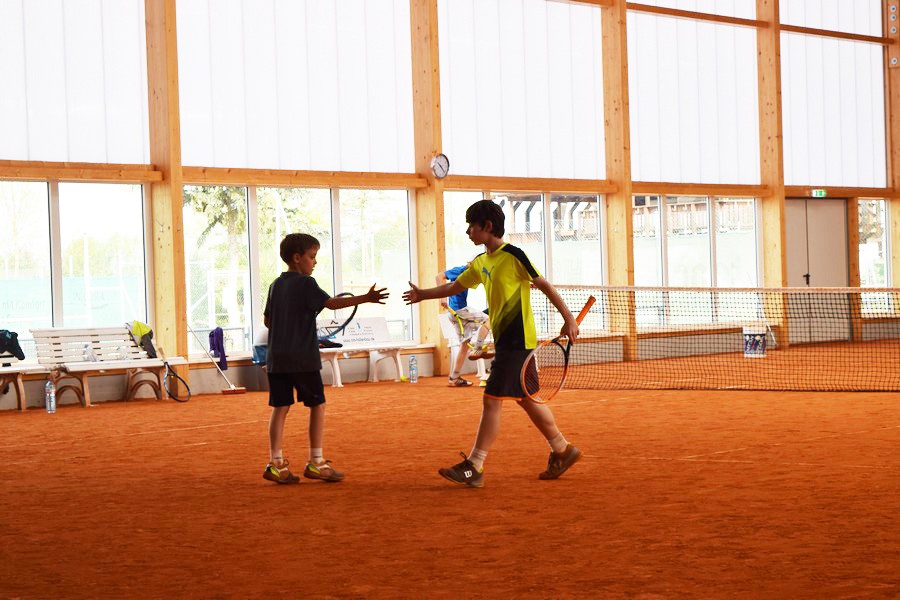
x=506 y=369
x=310 y=390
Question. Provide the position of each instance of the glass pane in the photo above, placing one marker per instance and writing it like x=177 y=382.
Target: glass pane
x=217 y=269
x=293 y=210
x=459 y=247
x=736 y=260
x=102 y=239
x=873 y=253
x=859 y=16
x=647 y=247
x=375 y=250
x=687 y=242
x=577 y=249
x=26 y=297
x=525 y=225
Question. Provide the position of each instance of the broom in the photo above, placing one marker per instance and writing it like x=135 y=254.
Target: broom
x=232 y=389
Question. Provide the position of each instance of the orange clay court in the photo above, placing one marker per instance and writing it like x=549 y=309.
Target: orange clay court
x=679 y=494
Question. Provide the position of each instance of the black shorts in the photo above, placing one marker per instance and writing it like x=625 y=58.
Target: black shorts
x=310 y=390
x=505 y=380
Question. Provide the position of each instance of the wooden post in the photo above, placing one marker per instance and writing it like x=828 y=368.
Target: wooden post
x=170 y=317
x=617 y=130
x=892 y=108
x=429 y=200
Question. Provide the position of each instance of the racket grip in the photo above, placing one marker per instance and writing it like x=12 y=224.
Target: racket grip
x=585 y=310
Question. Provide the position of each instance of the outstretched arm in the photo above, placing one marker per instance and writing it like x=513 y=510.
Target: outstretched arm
x=375 y=296
x=570 y=327
x=415 y=294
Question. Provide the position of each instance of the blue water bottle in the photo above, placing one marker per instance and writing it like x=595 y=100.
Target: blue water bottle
x=50 y=396
x=413 y=370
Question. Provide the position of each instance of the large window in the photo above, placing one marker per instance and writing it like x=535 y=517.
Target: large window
x=576 y=247
x=26 y=298
x=217 y=269
x=525 y=225
x=459 y=248
x=375 y=249
x=102 y=250
x=874 y=250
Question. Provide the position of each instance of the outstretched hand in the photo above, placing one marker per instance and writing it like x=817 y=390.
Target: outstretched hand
x=412 y=296
x=376 y=296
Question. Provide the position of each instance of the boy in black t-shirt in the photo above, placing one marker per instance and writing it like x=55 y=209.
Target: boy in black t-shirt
x=293 y=361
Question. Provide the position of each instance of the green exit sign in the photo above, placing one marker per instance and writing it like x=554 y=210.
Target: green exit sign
x=819 y=193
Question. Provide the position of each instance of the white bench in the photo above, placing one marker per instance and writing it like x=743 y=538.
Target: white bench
x=14 y=374
x=77 y=353
x=367 y=335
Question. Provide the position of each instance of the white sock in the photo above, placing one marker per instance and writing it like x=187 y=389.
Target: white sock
x=315 y=456
x=454 y=375
x=558 y=444
x=479 y=342
x=477 y=457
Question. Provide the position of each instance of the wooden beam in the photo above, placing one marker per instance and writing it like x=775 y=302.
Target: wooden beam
x=170 y=318
x=892 y=140
x=528 y=184
x=429 y=199
x=771 y=144
x=286 y=178
x=34 y=170
x=840 y=35
x=617 y=134
x=697 y=16
x=700 y=189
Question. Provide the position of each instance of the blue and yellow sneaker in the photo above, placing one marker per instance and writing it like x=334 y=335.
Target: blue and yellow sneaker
x=323 y=471
x=280 y=474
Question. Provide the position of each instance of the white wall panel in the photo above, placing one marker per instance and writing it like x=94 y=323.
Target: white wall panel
x=521 y=88
x=850 y=16
x=296 y=85
x=834 y=115
x=74 y=76
x=744 y=9
x=693 y=101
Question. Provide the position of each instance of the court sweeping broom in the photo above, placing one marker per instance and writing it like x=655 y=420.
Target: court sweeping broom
x=232 y=389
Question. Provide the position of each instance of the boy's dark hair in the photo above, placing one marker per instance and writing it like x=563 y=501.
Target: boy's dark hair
x=296 y=243
x=485 y=211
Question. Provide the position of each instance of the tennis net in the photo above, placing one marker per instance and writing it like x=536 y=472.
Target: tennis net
x=828 y=339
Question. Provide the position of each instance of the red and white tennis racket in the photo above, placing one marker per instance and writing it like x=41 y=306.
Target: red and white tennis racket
x=545 y=369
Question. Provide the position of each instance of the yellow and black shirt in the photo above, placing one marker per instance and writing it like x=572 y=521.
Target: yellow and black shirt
x=506 y=274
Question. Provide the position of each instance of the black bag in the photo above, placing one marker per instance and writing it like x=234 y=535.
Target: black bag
x=9 y=342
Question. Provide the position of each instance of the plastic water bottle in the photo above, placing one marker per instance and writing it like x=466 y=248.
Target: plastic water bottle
x=413 y=370
x=50 y=396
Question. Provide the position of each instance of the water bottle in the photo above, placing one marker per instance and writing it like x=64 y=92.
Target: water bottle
x=50 y=396
x=413 y=370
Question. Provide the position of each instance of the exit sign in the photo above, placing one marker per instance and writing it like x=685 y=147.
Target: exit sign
x=819 y=193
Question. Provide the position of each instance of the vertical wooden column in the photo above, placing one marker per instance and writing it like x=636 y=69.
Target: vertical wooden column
x=170 y=318
x=771 y=165
x=426 y=86
x=853 y=267
x=771 y=143
x=619 y=234
x=892 y=110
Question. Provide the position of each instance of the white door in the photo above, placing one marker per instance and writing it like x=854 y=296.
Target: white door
x=817 y=256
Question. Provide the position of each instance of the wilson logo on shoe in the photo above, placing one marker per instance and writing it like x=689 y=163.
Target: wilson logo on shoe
x=467 y=473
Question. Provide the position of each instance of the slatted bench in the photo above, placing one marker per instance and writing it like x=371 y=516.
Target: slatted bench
x=78 y=353
x=363 y=337
x=13 y=375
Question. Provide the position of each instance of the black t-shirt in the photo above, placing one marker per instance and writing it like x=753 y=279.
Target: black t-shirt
x=294 y=301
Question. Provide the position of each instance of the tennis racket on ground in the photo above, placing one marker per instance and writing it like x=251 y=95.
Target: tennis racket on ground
x=173 y=383
x=327 y=332
x=545 y=369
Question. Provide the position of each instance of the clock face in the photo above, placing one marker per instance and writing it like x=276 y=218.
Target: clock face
x=440 y=166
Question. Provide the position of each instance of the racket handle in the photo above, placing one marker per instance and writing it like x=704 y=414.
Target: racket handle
x=585 y=310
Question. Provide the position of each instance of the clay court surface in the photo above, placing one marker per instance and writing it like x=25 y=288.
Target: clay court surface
x=680 y=494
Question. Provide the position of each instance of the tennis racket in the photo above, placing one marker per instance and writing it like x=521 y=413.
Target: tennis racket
x=327 y=332
x=468 y=326
x=545 y=369
x=173 y=383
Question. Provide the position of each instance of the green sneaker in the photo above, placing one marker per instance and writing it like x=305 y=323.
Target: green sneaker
x=280 y=474
x=323 y=472
x=463 y=473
